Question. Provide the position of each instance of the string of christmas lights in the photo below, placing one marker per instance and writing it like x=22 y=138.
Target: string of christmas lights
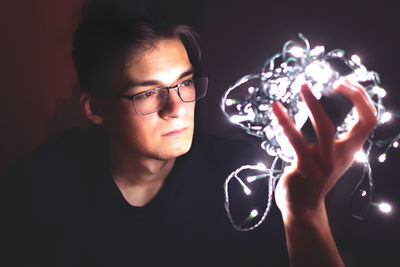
x=248 y=104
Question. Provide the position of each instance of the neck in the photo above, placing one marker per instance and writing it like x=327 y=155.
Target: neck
x=138 y=178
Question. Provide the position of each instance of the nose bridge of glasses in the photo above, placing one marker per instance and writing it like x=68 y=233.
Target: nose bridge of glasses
x=176 y=89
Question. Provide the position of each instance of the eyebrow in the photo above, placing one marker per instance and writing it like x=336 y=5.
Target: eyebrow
x=155 y=82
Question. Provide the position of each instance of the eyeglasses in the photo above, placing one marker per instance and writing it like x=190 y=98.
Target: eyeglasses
x=153 y=100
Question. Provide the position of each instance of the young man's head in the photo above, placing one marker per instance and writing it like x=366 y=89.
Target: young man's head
x=120 y=60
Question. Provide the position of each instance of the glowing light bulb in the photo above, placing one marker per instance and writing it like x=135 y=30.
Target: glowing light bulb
x=382 y=93
x=251 y=179
x=382 y=158
x=263 y=107
x=261 y=166
x=356 y=59
x=241 y=118
x=319 y=71
x=385 y=207
x=379 y=91
x=396 y=144
x=253 y=213
x=363 y=193
x=386 y=117
x=296 y=51
x=318 y=50
x=247 y=190
x=360 y=156
x=229 y=102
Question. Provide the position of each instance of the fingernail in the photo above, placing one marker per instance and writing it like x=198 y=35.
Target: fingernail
x=278 y=106
x=306 y=89
x=307 y=85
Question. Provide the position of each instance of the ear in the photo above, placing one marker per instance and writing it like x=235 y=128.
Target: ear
x=90 y=108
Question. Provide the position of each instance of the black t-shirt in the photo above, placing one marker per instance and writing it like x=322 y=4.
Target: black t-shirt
x=66 y=210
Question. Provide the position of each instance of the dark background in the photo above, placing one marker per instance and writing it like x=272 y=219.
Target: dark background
x=39 y=89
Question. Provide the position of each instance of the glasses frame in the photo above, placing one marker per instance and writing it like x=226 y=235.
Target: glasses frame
x=176 y=87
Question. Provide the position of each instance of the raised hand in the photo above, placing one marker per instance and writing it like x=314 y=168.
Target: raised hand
x=300 y=192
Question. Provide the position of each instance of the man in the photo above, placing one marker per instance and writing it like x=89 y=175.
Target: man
x=134 y=191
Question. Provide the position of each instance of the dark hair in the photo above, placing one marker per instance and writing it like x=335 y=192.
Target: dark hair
x=109 y=34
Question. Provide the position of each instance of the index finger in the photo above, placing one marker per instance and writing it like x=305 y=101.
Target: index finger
x=294 y=136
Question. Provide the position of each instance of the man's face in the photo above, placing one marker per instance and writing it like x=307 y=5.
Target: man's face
x=162 y=135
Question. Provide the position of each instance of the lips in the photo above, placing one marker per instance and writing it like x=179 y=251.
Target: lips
x=176 y=132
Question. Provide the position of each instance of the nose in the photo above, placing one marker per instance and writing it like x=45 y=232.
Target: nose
x=175 y=107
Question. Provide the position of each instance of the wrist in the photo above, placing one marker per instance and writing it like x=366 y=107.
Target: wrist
x=310 y=216
x=309 y=238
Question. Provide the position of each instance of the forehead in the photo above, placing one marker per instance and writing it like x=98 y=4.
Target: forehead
x=164 y=62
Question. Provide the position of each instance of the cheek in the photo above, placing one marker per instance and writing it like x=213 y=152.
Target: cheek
x=120 y=120
x=191 y=109
x=133 y=125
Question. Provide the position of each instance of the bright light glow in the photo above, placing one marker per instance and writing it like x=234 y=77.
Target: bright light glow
x=261 y=166
x=360 y=156
x=251 y=179
x=356 y=59
x=385 y=207
x=296 y=51
x=263 y=107
x=247 y=190
x=229 y=102
x=241 y=118
x=379 y=91
x=253 y=213
x=386 y=117
x=318 y=50
x=267 y=75
x=280 y=79
x=301 y=117
x=382 y=93
x=286 y=147
x=319 y=71
x=396 y=144
x=298 y=82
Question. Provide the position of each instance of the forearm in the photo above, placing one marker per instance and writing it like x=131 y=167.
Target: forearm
x=310 y=241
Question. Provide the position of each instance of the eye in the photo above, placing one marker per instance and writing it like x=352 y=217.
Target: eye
x=187 y=83
x=147 y=94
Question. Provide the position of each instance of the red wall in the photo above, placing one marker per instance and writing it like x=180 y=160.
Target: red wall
x=36 y=73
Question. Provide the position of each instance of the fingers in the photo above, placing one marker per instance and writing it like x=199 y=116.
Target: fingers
x=295 y=137
x=365 y=109
x=321 y=122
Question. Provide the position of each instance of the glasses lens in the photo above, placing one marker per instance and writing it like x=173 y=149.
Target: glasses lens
x=193 y=90
x=154 y=100
x=150 y=101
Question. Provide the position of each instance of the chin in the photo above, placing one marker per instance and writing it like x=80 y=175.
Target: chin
x=176 y=148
